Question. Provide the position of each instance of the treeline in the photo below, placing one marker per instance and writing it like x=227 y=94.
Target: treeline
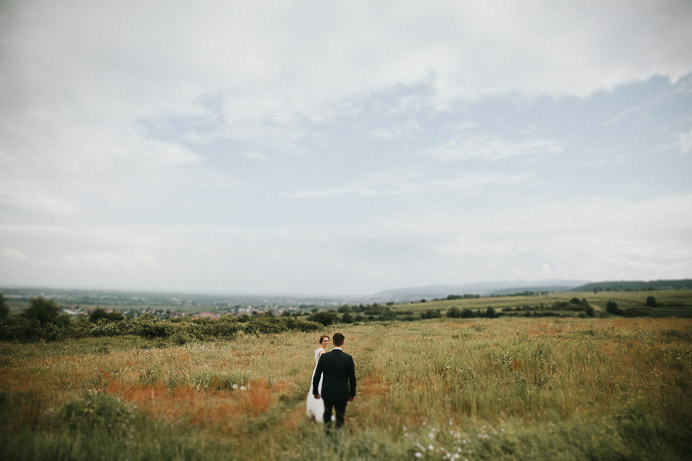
x=575 y=306
x=352 y=314
x=682 y=284
x=44 y=321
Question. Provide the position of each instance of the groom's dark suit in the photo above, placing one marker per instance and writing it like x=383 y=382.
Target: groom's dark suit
x=338 y=384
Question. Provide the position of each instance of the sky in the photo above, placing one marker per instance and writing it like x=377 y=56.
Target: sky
x=343 y=147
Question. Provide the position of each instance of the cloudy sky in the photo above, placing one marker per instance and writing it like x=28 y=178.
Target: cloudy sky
x=343 y=147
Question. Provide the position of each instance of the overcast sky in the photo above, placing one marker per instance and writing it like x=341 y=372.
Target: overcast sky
x=343 y=147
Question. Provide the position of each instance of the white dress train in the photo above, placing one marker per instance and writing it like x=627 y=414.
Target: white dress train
x=315 y=407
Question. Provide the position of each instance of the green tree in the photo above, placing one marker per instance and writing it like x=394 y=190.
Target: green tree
x=4 y=310
x=651 y=301
x=613 y=308
x=98 y=314
x=431 y=314
x=454 y=312
x=323 y=317
x=43 y=310
x=490 y=313
x=347 y=318
x=102 y=314
x=467 y=313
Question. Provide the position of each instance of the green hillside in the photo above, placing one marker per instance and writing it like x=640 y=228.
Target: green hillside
x=629 y=285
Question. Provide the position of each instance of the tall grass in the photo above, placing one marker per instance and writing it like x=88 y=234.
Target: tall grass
x=439 y=389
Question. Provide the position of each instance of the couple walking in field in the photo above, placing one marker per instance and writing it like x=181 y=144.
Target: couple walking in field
x=333 y=383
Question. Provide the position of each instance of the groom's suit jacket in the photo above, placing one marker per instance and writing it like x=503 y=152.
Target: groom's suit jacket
x=339 y=382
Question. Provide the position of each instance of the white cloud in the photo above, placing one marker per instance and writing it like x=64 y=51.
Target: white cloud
x=122 y=123
x=408 y=182
x=166 y=152
x=301 y=60
x=12 y=253
x=483 y=147
x=256 y=156
x=684 y=142
x=587 y=237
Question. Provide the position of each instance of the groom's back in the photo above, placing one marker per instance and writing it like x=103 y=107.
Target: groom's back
x=338 y=371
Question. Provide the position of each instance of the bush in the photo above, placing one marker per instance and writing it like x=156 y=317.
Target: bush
x=323 y=317
x=101 y=314
x=101 y=412
x=651 y=301
x=43 y=310
x=149 y=328
x=490 y=313
x=454 y=312
x=637 y=312
x=431 y=314
x=180 y=331
x=467 y=313
x=613 y=308
x=4 y=310
x=19 y=328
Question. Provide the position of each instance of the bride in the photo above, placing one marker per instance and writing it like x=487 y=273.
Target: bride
x=315 y=407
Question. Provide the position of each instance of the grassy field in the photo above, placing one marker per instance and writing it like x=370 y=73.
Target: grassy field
x=672 y=302
x=508 y=388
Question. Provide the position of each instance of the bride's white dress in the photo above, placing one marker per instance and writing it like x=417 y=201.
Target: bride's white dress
x=315 y=407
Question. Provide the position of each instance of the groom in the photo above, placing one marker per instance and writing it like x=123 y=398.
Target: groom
x=339 y=383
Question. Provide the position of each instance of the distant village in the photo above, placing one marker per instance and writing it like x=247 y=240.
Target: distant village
x=168 y=305
x=214 y=314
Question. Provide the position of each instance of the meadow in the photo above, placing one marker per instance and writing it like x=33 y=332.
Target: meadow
x=507 y=388
x=677 y=303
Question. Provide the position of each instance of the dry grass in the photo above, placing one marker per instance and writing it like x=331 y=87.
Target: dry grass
x=250 y=391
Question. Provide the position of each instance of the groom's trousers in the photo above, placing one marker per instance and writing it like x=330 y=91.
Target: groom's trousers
x=339 y=408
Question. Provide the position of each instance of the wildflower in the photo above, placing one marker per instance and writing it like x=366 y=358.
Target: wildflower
x=242 y=388
x=418 y=454
x=235 y=386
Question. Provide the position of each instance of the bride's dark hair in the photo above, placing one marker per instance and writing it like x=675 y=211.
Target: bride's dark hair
x=322 y=337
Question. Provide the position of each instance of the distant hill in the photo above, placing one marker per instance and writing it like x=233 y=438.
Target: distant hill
x=483 y=289
x=532 y=289
x=624 y=285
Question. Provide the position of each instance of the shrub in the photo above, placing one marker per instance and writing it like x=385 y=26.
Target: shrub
x=101 y=314
x=613 y=308
x=467 y=313
x=323 y=317
x=154 y=328
x=454 y=312
x=637 y=312
x=431 y=314
x=98 y=411
x=4 y=310
x=19 y=328
x=490 y=313
x=43 y=310
x=651 y=301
